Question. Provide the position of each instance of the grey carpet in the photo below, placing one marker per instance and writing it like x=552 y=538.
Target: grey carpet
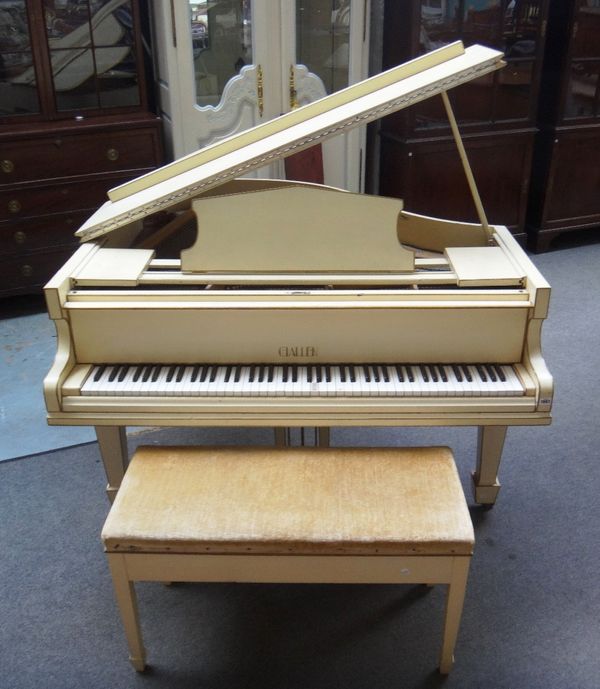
x=532 y=607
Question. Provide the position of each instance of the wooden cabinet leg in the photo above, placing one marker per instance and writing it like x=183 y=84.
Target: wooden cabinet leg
x=127 y=602
x=113 y=450
x=490 y=442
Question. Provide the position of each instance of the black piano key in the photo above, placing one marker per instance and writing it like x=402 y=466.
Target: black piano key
x=500 y=373
x=352 y=372
x=385 y=374
x=270 y=374
x=443 y=375
x=204 y=373
x=238 y=373
x=213 y=374
x=122 y=373
x=375 y=373
x=284 y=376
x=228 y=371
x=328 y=374
x=481 y=372
x=194 y=373
x=170 y=373
x=309 y=374
x=424 y=372
x=367 y=374
x=467 y=372
x=252 y=374
x=457 y=373
x=294 y=374
x=318 y=373
x=491 y=373
x=342 y=370
x=410 y=373
x=179 y=374
x=99 y=371
x=146 y=373
x=399 y=373
x=155 y=372
x=434 y=373
x=113 y=374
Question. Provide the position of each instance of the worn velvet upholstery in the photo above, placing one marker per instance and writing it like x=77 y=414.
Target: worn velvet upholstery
x=293 y=500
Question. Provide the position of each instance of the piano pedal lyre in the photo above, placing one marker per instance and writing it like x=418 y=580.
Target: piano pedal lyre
x=283 y=437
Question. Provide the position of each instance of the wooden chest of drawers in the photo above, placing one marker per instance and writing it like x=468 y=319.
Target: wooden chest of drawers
x=52 y=178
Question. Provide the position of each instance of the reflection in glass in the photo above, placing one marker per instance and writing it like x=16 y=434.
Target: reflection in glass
x=512 y=26
x=323 y=40
x=118 y=85
x=514 y=89
x=90 y=53
x=585 y=39
x=18 y=94
x=221 y=44
x=582 y=96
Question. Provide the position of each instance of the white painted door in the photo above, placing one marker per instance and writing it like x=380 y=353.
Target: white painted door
x=226 y=65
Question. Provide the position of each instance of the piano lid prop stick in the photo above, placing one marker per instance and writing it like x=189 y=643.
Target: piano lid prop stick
x=467 y=168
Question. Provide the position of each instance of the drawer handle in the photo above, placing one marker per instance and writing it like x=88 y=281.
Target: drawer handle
x=112 y=154
x=14 y=206
x=26 y=271
x=20 y=237
x=7 y=166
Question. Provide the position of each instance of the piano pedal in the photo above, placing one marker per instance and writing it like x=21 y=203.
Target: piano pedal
x=283 y=437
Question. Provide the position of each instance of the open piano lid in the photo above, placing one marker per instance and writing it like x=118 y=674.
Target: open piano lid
x=356 y=105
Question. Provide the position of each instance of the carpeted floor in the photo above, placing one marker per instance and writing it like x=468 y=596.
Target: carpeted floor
x=533 y=602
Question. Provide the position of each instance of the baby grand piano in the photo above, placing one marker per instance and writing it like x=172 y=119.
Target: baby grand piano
x=299 y=304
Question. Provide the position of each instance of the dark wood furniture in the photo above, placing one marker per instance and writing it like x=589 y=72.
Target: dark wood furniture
x=565 y=193
x=74 y=122
x=496 y=114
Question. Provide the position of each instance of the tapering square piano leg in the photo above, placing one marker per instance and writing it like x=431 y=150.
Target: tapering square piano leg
x=113 y=450
x=490 y=442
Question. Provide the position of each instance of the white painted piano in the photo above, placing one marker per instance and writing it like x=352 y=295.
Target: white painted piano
x=298 y=304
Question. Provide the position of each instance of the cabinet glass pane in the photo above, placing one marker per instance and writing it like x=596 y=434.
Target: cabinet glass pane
x=221 y=43
x=587 y=29
x=521 y=29
x=582 y=94
x=90 y=53
x=18 y=93
x=117 y=85
x=482 y=22
x=323 y=40
x=440 y=23
x=514 y=89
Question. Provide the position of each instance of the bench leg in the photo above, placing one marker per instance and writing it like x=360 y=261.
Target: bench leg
x=127 y=602
x=454 y=606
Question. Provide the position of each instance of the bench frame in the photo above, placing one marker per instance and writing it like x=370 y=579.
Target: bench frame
x=127 y=568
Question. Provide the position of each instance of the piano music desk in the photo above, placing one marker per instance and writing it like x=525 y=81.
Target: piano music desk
x=281 y=515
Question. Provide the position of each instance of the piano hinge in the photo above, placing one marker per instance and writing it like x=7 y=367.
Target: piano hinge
x=293 y=93
x=260 y=91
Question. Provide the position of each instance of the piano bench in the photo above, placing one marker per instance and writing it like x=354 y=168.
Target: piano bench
x=290 y=515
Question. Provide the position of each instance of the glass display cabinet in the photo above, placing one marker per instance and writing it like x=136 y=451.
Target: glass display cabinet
x=74 y=121
x=566 y=182
x=496 y=114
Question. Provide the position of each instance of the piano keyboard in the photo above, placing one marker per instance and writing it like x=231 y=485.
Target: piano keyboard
x=340 y=380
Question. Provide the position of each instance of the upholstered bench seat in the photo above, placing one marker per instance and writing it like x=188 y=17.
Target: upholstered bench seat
x=329 y=515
